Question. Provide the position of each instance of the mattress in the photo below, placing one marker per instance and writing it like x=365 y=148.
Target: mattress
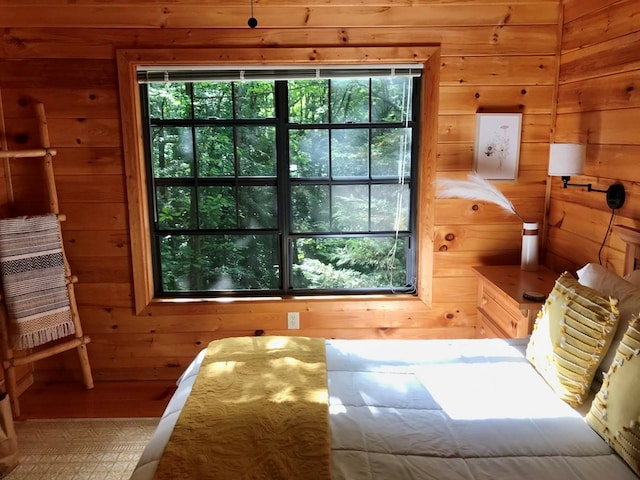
x=438 y=409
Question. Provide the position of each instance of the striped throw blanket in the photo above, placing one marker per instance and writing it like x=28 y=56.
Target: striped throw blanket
x=33 y=280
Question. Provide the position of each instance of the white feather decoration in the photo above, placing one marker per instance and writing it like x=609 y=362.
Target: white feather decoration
x=476 y=188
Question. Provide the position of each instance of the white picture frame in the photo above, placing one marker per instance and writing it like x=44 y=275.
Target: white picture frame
x=496 y=152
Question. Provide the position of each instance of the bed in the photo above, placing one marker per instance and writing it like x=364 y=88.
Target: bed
x=461 y=409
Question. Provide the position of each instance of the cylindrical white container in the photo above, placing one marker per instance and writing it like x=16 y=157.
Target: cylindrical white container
x=529 y=258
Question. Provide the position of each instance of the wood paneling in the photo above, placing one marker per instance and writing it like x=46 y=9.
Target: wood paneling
x=105 y=295
x=493 y=55
x=100 y=216
x=601 y=24
x=481 y=239
x=607 y=58
x=598 y=105
x=85 y=243
x=577 y=8
x=95 y=44
x=604 y=126
x=78 y=161
x=121 y=320
x=468 y=212
x=481 y=98
x=197 y=15
x=498 y=70
x=63 y=102
x=616 y=91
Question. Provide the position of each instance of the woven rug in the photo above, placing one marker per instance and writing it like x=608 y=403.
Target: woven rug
x=80 y=449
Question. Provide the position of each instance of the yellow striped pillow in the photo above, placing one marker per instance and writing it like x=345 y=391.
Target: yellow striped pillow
x=615 y=411
x=571 y=335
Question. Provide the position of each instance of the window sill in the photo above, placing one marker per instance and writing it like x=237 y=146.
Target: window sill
x=219 y=305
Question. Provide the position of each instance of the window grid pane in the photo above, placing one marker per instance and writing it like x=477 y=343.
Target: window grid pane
x=345 y=220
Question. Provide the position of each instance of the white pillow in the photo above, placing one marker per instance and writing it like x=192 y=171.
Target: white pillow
x=610 y=283
x=633 y=277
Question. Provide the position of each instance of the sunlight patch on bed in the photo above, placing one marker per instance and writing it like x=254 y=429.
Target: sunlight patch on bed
x=221 y=368
x=277 y=342
x=282 y=382
x=499 y=391
x=398 y=354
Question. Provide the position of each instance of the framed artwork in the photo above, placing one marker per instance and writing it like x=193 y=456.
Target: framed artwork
x=497 y=147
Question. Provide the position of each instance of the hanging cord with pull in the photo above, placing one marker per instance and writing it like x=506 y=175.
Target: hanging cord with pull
x=253 y=21
x=407 y=95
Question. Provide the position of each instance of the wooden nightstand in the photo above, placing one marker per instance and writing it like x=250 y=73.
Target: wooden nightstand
x=502 y=310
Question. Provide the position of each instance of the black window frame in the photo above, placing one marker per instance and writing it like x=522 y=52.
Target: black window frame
x=283 y=183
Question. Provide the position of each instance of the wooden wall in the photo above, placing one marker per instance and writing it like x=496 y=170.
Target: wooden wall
x=496 y=56
x=598 y=104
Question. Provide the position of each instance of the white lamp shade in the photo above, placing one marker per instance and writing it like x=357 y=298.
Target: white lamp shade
x=566 y=159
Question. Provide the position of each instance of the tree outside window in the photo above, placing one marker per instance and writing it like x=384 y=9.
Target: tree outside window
x=263 y=187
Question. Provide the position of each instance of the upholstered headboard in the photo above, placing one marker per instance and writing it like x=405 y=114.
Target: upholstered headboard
x=631 y=236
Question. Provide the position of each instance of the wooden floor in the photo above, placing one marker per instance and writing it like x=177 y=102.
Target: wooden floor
x=105 y=400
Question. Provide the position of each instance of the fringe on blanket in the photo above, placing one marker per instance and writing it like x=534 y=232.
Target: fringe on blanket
x=33 y=339
x=34 y=280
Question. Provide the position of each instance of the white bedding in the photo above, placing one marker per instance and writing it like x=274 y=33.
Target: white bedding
x=439 y=409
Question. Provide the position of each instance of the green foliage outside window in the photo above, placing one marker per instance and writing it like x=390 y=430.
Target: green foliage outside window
x=317 y=199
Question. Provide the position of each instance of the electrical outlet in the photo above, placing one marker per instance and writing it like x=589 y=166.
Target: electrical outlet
x=293 y=320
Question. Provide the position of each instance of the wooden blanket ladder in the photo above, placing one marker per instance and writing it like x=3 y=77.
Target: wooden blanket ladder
x=79 y=341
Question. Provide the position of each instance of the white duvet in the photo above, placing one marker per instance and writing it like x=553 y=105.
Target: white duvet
x=439 y=409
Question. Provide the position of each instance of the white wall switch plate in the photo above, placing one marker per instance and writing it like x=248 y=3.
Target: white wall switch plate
x=293 y=320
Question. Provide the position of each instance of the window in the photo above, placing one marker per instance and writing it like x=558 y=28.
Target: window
x=149 y=298
x=281 y=181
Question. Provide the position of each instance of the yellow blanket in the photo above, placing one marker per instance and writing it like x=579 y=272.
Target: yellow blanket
x=258 y=411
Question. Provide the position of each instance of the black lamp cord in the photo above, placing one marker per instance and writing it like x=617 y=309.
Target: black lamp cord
x=606 y=234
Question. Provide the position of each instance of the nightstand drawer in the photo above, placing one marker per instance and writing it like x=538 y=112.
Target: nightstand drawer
x=502 y=309
x=486 y=329
x=504 y=319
